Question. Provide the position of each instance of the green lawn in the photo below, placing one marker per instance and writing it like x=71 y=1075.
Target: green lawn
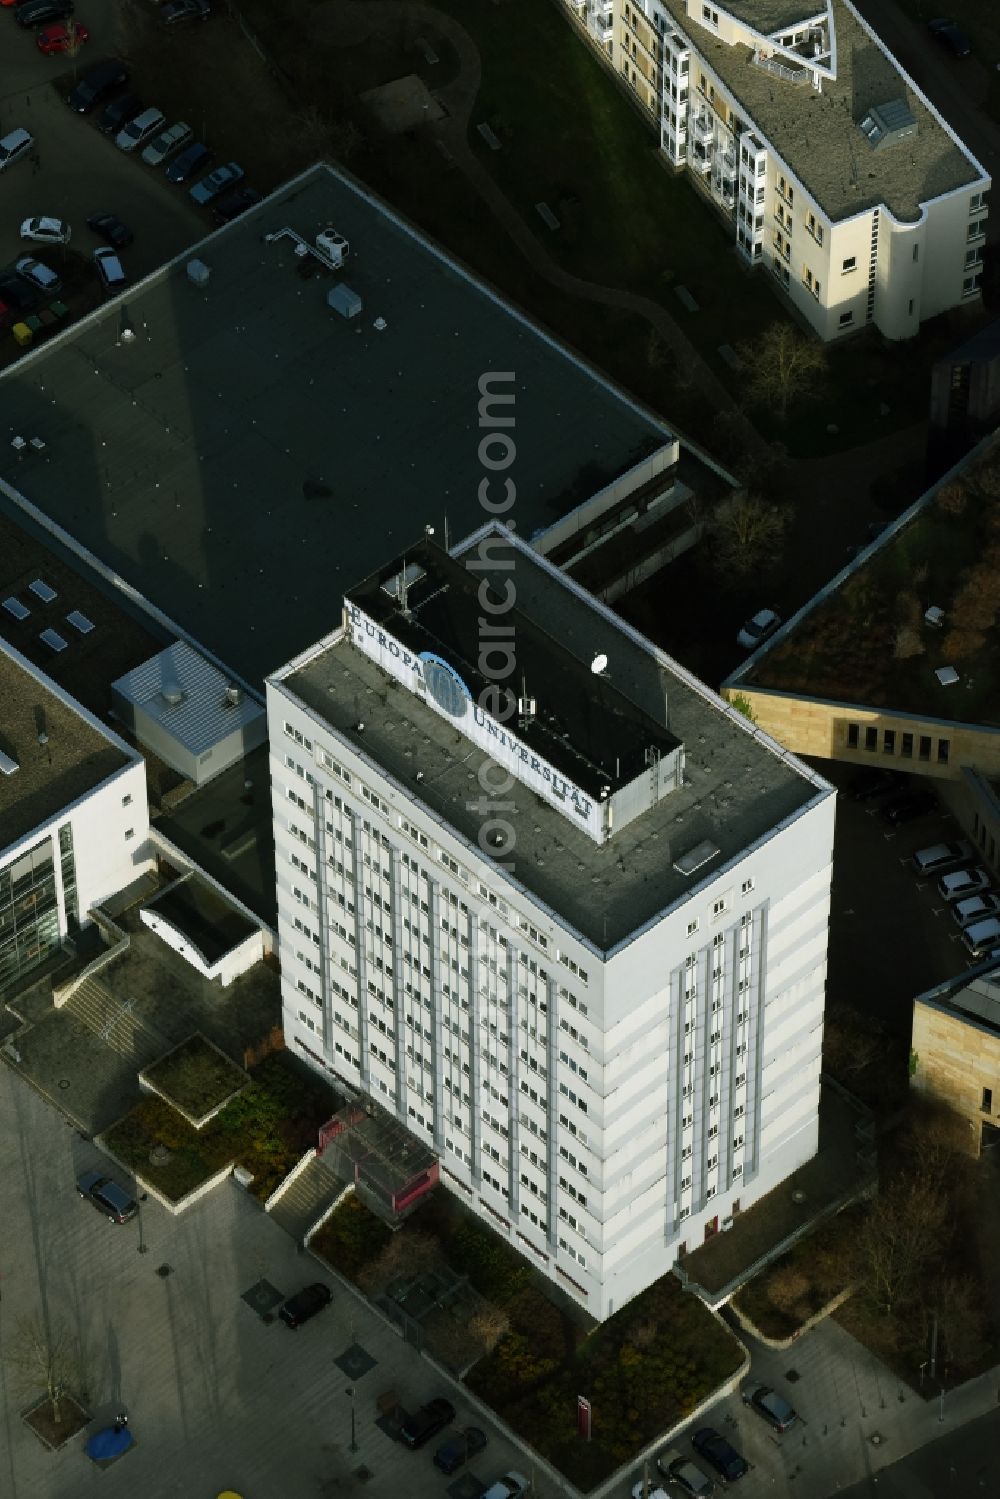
x=196 y=1077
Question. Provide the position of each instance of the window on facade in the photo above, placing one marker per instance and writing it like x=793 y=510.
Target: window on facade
x=846 y=319
x=871 y=738
x=889 y=741
x=987 y=1104
x=943 y=750
x=906 y=746
x=850 y=264
x=925 y=747
x=853 y=735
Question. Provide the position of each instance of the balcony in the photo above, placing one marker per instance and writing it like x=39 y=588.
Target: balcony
x=703 y=129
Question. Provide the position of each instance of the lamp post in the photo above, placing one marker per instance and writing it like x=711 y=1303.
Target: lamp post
x=142 y=1246
x=352 y=1392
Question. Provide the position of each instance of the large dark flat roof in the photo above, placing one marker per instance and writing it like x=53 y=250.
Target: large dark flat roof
x=249 y=453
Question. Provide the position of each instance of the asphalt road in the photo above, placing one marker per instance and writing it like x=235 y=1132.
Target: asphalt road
x=961 y=1463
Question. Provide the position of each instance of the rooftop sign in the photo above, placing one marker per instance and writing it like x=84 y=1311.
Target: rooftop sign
x=441 y=687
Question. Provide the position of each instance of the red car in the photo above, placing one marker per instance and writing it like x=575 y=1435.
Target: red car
x=62 y=36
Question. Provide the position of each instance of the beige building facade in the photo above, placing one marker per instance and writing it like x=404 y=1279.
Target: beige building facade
x=955 y=1051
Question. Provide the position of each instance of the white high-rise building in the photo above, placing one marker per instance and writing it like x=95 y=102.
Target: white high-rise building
x=552 y=904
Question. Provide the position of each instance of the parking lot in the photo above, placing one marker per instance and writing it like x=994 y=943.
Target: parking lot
x=80 y=172
x=217 y=1399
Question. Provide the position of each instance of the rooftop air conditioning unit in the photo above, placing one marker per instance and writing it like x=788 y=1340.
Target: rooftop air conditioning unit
x=333 y=245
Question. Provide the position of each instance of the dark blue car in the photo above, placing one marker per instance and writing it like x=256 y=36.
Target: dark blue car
x=459 y=1448
x=190 y=160
x=716 y=1451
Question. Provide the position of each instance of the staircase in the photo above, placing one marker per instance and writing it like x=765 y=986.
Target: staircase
x=98 y=1009
x=306 y=1198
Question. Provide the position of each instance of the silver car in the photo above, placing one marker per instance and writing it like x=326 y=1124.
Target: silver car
x=166 y=143
x=975 y=908
x=38 y=274
x=46 y=231
x=135 y=134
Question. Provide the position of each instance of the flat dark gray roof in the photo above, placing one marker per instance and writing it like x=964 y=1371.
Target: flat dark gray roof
x=75 y=758
x=249 y=453
x=736 y=786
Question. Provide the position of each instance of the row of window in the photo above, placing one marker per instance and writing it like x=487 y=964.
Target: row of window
x=896 y=743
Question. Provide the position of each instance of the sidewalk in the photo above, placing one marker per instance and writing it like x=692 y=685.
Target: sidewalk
x=856 y=1417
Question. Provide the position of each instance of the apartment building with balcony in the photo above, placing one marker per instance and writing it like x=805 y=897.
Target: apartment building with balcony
x=832 y=169
x=578 y=948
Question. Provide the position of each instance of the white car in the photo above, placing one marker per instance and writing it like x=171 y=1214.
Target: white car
x=975 y=908
x=758 y=629
x=981 y=939
x=511 y=1486
x=45 y=231
x=38 y=274
x=13 y=146
x=138 y=131
x=645 y=1490
x=962 y=882
x=166 y=143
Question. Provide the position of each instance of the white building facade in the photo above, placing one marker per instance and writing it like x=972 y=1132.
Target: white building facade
x=604 y=1096
x=78 y=852
x=832 y=169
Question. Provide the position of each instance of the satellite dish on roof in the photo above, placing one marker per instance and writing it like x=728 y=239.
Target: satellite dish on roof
x=599 y=664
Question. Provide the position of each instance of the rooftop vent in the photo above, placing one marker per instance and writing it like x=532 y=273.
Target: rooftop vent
x=946 y=675
x=233 y=697
x=934 y=616
x=173 y=694
x=696 y=857
x=198 y=273
x=399 y=582
x=887 y=123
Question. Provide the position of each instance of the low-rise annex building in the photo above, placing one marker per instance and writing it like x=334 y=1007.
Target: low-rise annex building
x=577 y=949
x=832 y=168
x=955 y=1050
x=74 y=820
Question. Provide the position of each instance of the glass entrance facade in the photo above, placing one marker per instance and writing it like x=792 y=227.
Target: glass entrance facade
x=29 y=914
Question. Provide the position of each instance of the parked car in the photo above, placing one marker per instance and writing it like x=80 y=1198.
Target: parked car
x=190 y=160
x=53 y=41
x=874 y=783
x=38 y=274
x=459 y=1449
x=96 y=84
x=768 y=1403
x=110 y=228
x=109 y=268
x=425 y=1423
x=229 y=207
x=758 y=629
x=14 y=145
x=118 y=113
x=975 y=908
x=644 y=1489
x=950 y=36
x=140 y=129
x=107 y=1196
x=176 y=11
x=908 y=806
x=216 y=183
x=166 y=143
x=722 y=1456
x=686 y=1475
x=962 y=882
x=982 y=937
x=305 y=1304
x=511 y=1486
x=46 y=231
x=40 y=12
x=940 y=857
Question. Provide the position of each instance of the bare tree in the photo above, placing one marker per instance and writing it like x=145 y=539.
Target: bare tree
x=407 y=1253
x=747 y=531
x=45 y=1355
x=899 y=1239
x=783 y=365
x=962 y=1318
x=488 y=1325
